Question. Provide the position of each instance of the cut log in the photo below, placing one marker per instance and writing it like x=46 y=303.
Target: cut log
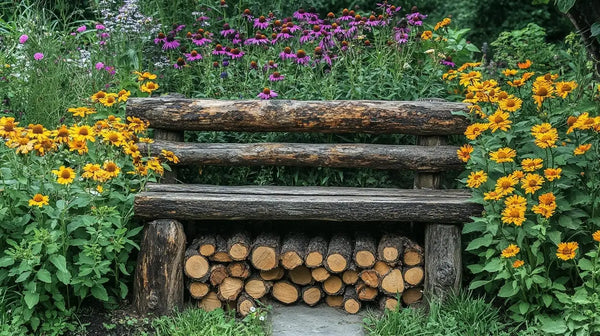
x=196 y=267
x=218 y=272
x=315 y=252
x=339 y=253
x=206 y=244
x=272 y=275
x=320 y=274
x=158 y=285
x=311 y=295
x=390 y=249
x=370 y=277
x=238 y=245
x=300 y=275
x=230 y=288
x=245 y=303
x=210 y=302
x=412 y=295
x=293 y=250
x=265 y=253
x=333 y=285
x=257 y=287
x=413 y=276
x=392 y=283
x=221 y=253
x=350 y=276
x=365 y=250
x=198 y=290
x=408 y=117
x=413 y=254
x=239 y=269
x=389 y=303
x=285 y=292
x=382 y=268
x=335 y=301
x=365 y=292
x=443 y=261
x=351 y=302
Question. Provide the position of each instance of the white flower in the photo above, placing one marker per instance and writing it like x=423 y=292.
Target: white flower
x=262 y=318
x=252 y=309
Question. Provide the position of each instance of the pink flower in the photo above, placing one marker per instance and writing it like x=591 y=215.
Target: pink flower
x=267 y=94
x=99 y=66
x=193 y=56
x=23 y=39
x=100 y=27
x=276 y=76
x=38 y=56
x=81 y=29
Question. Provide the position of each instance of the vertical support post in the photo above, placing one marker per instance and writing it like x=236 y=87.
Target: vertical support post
x=158 y=283
x=443 y=263
x=169 y=177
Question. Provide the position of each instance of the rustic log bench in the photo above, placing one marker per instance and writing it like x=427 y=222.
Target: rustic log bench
x=159 y=285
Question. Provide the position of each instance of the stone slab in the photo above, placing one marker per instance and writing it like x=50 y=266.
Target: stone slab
x=322 y=320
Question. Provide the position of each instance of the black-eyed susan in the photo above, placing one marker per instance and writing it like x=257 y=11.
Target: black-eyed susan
x=491 y=196
x=44 y=146
x=445 y=22
x=8 y=127
x=581 y=149
x=510 y=72
x=530 y=165
x=515 y=201
x=505 y=154
x=146 y=140
x=136 y=124
x=82 y=111
x=518 y=263
x=510 y=104
x=505 y=185
x=123 y=95
x=98 y=95
x=513 y=215
x=524 y=65
x=111 y=168
x=61 y=134
x=596 y=236
x=83 y=132
x=464 y=152
x=78 y=145
x=470 y=78
x=426 y=35
x=109 y=100
x=476 y=179
x=154 y=165
x=567 y=251
x=170 y=156
x=475 y=130
x=113 y=137
x=546 y=205
x=552 y=174
x=65 y=175
x=468 y=65
x=37 y=132
x=499 y=121
x=546 y=140
x=532 y=183
x=541 y=91
x=510 y=251
x=144 y=76
x=39 y=200
x=517 y=174
x=149 y=87
x=564 y=88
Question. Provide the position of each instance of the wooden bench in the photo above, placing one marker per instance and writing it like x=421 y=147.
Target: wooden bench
x=159 y=280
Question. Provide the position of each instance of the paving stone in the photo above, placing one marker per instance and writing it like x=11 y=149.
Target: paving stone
x=322 y=320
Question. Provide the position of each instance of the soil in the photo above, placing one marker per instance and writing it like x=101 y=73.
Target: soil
x=97 y=321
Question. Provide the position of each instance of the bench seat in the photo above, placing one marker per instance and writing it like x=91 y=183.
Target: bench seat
x=207 y=202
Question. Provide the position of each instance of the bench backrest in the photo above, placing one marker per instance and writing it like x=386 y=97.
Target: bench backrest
x=431 y=121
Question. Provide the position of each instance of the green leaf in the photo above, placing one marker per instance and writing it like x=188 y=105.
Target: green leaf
x=585 y=265
x=554 y=237
x=494 y=266
x=595 y=29
x=508 y=290
x=31 y=299
x=523 y=307
x=479 y=242
x=59 y=262
x=99 y=292
x=6 y=261
x=64 y=277
x=478 y=283
x=555 y=326
x=44 y=276
x=565 y=5
x=547 y=300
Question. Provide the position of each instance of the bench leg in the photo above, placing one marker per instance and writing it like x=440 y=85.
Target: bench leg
x=158 y=283
x=443 y=264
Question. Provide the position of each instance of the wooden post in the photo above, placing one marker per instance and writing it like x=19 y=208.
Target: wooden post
x=169 y=177
x=443 y=264
x=158 y=285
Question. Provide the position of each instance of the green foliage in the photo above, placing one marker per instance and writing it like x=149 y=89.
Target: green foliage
x=521 y=44
x=216 y=322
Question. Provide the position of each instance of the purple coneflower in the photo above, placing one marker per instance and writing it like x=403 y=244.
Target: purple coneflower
x=287 y=53
x=261 y=23
x=253 y=65
x=375 y=21
x=38 y=56
x=247 y=14
x=327 y=42
x=100 y=26
x=258 y=39
x=161 y=38
x=227 y=30
x=448 y=62
x=267 y=94
x=179 y=64
x=193 y=56
x=200 y=40
x=23 y=38
x=347 y=15
x=283 y=35
x=276 y=76
x=237 y=39
x=171 y=43
x=306 y=37
x=415 y=18
x=316 y=31
x=292 y=27
x=99 y=66
x=300 y=14
x=81 y=29
x=401 y=35
x=302 y=57
x=270 y=65
x=219 y=50
x=236 y=53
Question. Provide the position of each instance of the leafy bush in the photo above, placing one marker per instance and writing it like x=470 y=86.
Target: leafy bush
x=513 y=46
x=533 y=164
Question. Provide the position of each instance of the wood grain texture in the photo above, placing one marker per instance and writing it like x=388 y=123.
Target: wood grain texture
x=449 y=206
x=374 y=156
x=408 y=117
x=158 y=284
x=443 y=261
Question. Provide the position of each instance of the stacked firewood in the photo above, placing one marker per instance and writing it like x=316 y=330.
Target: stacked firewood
x=344 y=271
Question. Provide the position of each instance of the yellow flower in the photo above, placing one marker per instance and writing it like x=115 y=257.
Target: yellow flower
x=81 y=111
x=468 y=65
x=499 y=120
x=8 y=127
x=79 y=145
x=510 y=104
x=427 y=35
x=513 y=215
x=111 y=168
x=491 y=196
x=83 y=132
x=476 y=179
x=114 y=138
x=546 y=206
x=503 y=155
x=552 y=173
x=98 y=95
x=39 y=200
x=443 y=23
x=449 y=75
x=505 y=185
x=99 y=188
x=532 y=183
x=136 y=125
x=515 y=201
x=541 y=91
x=530 y=165
x=154 y=165
x=474 y=130
x=581 y=149
x=123 y=95
x=567 y=251
x=469 y=78
x=596 y=236
x=149 y=87
x=464 y=152
x=145 y=75
x=510 y=251
x=61 y=135
x=64 y=175
x=518 y=263
x=564 y=88
x=170 y=156
x=109 y=100
x=517 y=174
x=509 y=72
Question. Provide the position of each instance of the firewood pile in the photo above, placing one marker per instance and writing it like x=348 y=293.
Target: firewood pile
x=344 y=271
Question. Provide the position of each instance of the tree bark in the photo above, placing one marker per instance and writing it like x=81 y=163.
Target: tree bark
x=583 y=15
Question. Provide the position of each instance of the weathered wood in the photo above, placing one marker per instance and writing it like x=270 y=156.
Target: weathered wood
x=333 y=285
x=335 y=301
x=206 y=244
x=158 y=284
x=218 y=272
x=351 y=302
x=265 y=251
x=392 y=283
x=320 y=274
x=198 y=290
x=451 y=206
x=370 y=277
x=221 y=252
x=339 y=253
x=442 y=260
x=315 y=252
x=196 y=266
x=365 y=250
x=274 y=274
x=412 y=295
x=293 y=250
x=239 y=269
x=408 y=117
x=365 y=292
x=245 y=303
x=230 y=288
x=413 y=253
x=168 y=136
x=374 y=156
x=257 y=287
x=311 y=295
x=238 y=245
x=350 y=275
x=429 y=180
x=210 y=302
x=413 y=276
x=391 y=248
x=300 y=275
x=381 y=267
x=285 y=292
